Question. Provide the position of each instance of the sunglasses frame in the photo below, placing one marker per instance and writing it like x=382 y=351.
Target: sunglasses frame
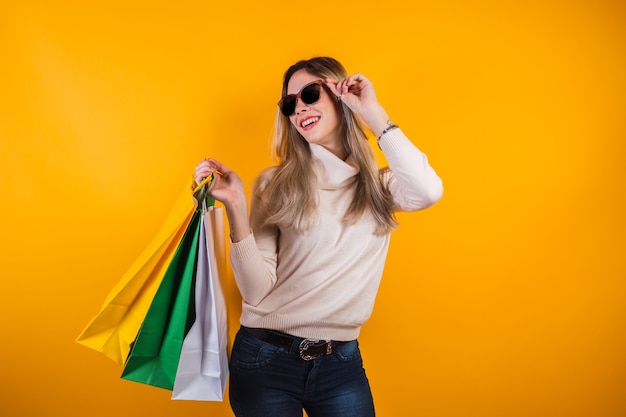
x=298 y=95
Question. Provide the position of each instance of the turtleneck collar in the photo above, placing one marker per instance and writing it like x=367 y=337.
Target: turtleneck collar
x=332 y=172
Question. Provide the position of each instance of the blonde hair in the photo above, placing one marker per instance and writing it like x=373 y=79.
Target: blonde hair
x=289 y=195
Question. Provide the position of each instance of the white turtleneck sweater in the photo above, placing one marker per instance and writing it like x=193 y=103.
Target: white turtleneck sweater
x=322 y=284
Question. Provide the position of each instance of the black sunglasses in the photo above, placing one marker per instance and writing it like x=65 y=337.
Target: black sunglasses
x=309 y=94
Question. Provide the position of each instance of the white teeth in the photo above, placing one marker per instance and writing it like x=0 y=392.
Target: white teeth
x=309 y=121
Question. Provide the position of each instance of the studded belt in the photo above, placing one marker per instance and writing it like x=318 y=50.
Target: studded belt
x=307 y=348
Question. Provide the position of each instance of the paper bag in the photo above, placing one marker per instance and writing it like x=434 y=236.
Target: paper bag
x=203 y=365
x=114 y=328
x=154 y=356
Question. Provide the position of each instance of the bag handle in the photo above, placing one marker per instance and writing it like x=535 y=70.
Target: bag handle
x=201 y=193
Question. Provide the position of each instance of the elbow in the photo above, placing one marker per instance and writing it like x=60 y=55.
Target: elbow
x=252 y=299
x=435 y=194
x=251 y=294
x=426 y=198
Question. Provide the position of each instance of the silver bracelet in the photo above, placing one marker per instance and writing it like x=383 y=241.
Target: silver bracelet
x=390 y=127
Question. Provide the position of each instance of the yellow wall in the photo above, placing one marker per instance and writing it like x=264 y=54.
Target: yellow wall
x=505 y=299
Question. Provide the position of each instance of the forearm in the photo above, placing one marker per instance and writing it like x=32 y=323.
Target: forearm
x=238 y=221
x=376 y=118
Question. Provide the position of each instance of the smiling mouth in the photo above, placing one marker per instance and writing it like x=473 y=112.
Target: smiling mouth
x=309 y=121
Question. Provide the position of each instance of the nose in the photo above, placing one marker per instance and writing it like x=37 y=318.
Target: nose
x=301 y=106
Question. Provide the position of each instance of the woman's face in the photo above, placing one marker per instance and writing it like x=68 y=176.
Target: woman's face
x=318 y=122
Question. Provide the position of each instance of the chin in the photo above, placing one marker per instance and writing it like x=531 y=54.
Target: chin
x=312 y=141
x=312 y=137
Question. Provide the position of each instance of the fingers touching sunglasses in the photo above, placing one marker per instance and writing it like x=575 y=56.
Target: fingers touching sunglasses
x=309 y=94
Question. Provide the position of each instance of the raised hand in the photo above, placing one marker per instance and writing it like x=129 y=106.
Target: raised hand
x=357 y=92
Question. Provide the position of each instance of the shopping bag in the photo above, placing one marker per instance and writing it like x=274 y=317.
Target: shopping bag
x=154 y=355
x=115 y=327
x=203 y=365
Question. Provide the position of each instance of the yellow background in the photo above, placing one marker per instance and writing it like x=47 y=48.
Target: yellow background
x=505 y=299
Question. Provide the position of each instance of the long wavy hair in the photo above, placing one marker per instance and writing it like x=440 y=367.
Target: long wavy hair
x=289 y=195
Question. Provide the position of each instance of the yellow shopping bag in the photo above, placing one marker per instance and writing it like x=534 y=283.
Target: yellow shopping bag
x=113 y=330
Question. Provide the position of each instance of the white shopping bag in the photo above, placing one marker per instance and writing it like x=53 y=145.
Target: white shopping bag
x=203 y=367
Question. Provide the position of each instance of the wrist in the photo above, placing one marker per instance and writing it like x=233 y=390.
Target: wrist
x=376 y=119
x=236 y=204
x=390 y=126
x=237 y=214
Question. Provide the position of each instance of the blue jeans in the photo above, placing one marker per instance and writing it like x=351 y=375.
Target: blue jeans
x=272 y=381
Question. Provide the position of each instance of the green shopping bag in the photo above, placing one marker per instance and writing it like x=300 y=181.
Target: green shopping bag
x=154 y=355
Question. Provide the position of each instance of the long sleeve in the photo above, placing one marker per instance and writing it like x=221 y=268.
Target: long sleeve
x=413 y=183
x=254 y=258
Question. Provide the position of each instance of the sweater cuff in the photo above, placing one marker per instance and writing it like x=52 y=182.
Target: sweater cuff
x=244 y=249
x=393 y=141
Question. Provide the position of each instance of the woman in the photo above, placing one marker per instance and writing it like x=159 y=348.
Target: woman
x=309 y=259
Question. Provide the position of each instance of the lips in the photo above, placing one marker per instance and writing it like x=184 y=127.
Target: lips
x=309 y=121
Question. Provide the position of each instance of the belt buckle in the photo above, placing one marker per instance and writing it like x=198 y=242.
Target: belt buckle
x=307 y=343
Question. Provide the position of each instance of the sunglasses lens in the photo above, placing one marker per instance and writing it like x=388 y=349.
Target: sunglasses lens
x=311 y=93
x=288 y=105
